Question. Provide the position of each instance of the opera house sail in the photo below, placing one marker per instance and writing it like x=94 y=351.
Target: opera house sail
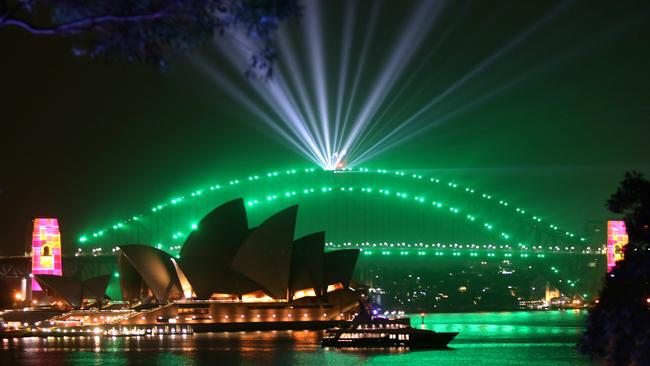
x=230 y=276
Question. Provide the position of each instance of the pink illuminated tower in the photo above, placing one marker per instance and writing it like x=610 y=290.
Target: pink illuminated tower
x=617 y=239
x=46 y=249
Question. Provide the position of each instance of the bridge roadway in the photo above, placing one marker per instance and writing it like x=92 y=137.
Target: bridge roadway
x=83 y=266
x=86 y=266
x=400 y=272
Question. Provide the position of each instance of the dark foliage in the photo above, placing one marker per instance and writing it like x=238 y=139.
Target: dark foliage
x=151 y=31
x=618 y=329
x=632 y=199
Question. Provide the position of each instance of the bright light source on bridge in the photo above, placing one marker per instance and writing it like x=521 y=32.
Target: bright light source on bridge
x=336 y=162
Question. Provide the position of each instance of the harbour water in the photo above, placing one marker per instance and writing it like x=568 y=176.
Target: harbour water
x=500 y=338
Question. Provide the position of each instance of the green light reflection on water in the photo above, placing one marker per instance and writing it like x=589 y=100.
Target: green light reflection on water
x=486 y=339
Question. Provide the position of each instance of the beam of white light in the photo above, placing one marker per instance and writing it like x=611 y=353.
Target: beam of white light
x=379 y=128
x=361 y=63
x=555 y=61
x=330 y=130
x=282 y=102
x=508 y=47
x=293 y=118
x=405 y=86
x=236 y=92
x=278 y=87
x=238 y=54
x=298 y=82
x=582 y=47
x=423 y=18
x=344 y=62
x=314 y=39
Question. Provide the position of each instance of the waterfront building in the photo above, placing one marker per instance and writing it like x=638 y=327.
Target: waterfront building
x=226 y=273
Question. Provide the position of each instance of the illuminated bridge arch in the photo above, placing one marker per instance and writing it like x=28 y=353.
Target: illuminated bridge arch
x=352 y=206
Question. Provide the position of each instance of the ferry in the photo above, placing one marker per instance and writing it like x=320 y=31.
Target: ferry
x=383 y=333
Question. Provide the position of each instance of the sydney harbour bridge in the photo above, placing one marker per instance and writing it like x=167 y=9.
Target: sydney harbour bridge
x=419 y=235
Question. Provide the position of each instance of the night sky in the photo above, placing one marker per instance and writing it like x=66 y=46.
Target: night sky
x=91 y=142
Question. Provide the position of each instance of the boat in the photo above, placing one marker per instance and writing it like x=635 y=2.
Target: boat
x=369 y=332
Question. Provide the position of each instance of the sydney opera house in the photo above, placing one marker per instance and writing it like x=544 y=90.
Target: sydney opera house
x=228 y=276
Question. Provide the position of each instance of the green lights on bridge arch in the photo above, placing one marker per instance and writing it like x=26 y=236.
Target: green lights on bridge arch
x=254 y=178
x=438 y=249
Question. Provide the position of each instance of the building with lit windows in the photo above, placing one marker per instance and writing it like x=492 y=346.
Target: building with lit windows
x=46 y=249
x=227 y=273
x=617 y=239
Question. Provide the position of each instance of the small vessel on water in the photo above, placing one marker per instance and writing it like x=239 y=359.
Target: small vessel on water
x=368 y=332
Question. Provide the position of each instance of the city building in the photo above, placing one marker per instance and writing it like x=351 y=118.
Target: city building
x=226 y=274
